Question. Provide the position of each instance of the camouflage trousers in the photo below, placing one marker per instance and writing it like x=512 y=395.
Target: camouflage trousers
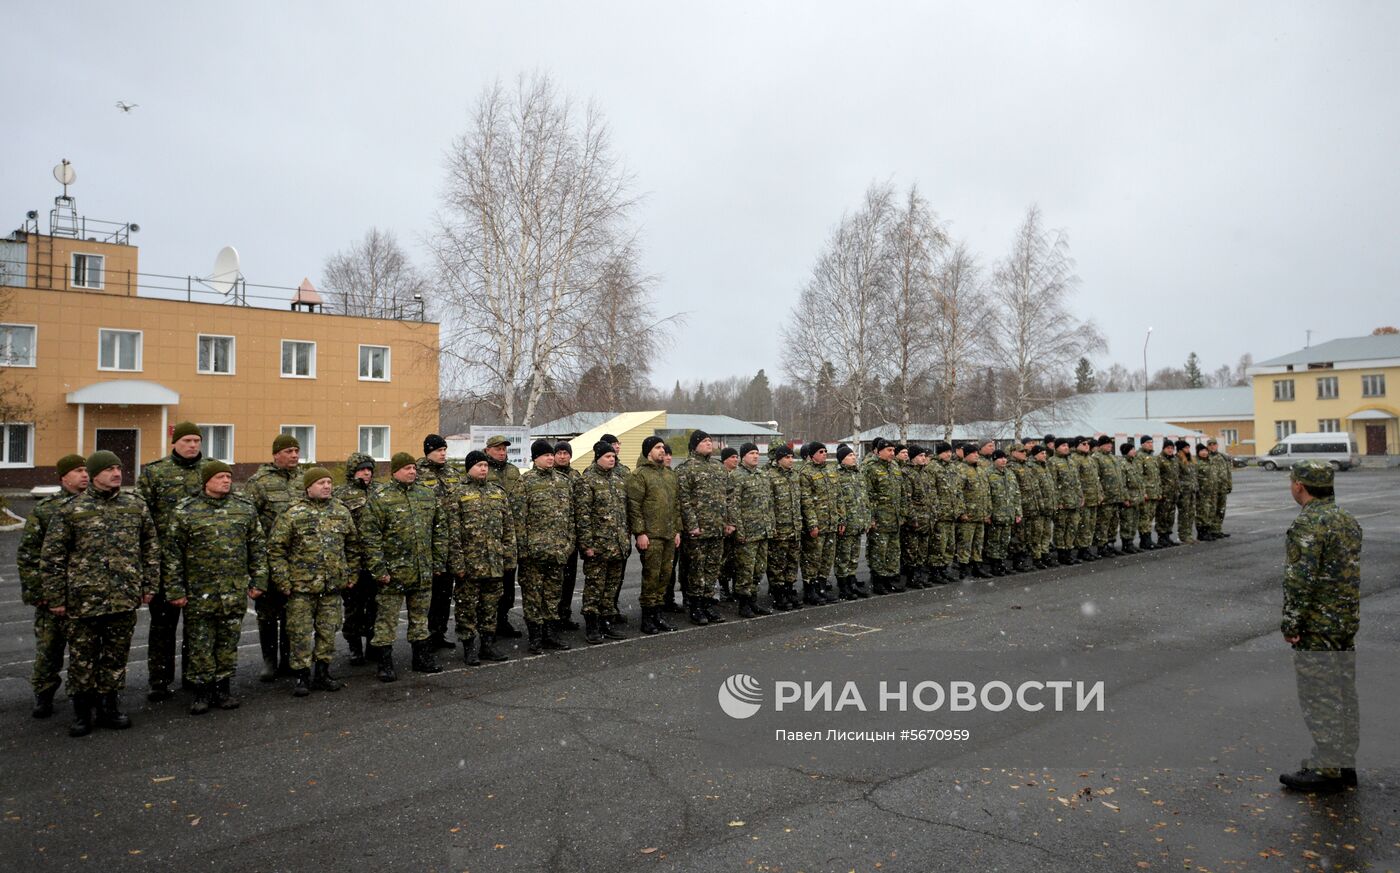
x=818 y=556
x=726 y=561
x=1146 y=515
x=360 y=606
x=1066 y=528
x=474 y=602
x=1106 y=525
x=1044 y=531
x=1023 y=540
x=98 y=647
x=913 y=549
x=387 y=602
x=1327 y=695
x=882 y=552
x=943 y=543
x=1128 y=522
x=214 y=629
x=847 y=554
x=1165 y=519
x=160 y=640
x=750 y=563
x=568 y=582
x=1088 y=526
x=1220 y=510
x=539 y=589
x=998 y=540
x=784 y=556
x=50 y=639
x=601 y=579
x=313 y=620
x=657 y=562
x=702 y=567
x=1186 y=516
x=1205 y=510
x=971 y=536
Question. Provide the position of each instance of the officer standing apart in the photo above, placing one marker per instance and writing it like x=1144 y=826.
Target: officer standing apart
x=100 y=561
x=437 y=473
x=272 y=490
x=50 y=638
x=481 y=547
x=703 y=483
x=654 y=519
x=163 y=484
x=1321 y=615
x=214 y=559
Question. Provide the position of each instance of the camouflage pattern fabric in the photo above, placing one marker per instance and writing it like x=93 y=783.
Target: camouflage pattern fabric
x=854 y=520
x=405 y=536
x=600 y=519
x=1322 y=577
x=481 y=550
x=750 y=510
x=977 y=506
x=101 y=554
x=653 y=508
x=312 y=623
x=544 y=525
x=360 y=599
x=271 y=491
x=1069 y=497
x=1186 y=498
x=1134 y=494
x=50 y=638
x=98 y=646
x=1170 y=475
x=884 y=487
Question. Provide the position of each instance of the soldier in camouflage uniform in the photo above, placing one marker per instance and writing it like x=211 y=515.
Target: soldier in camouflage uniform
x=1225 y=478
x=920 y=509
x=1111 y=484
x=313 y=552
x=50 y=637
x=163 y=484
x=622 y=471
x=481 y=546
x=99 y=562
x=1006 y=512
x=544 y=530
x=405 y=540
x=785 y=545
x=819 y=510
x=1170 y=476
x=1151 y=474
x=884 y=488
x=442 y=476
x=1133 y=492
x=947 y=476
x=1069 y=500
x=702 y=482
x=568 y=578
x=360 y=598
x=1186 y=488
x=507 y=475
x=750 y=513
x=213 y=559
x=1049 y=504
x=600 y=521
x=1091 y=484
x=852 y=522
x=654 y=519
x=1321 y=615
x=272 y=489
x=1023 y=545
x=976 y=515
x=730 y=459
x=1208 y=488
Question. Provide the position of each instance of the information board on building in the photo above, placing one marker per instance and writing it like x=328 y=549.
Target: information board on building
x=518 y=450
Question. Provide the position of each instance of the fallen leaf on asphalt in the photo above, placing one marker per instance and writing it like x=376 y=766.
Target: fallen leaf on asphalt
x=737 y=823
x=1112 y=806
x=648 y=850
x=162 y=778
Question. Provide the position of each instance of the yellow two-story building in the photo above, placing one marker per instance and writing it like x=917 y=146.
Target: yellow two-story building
x=90 y=358
x=1339 y=385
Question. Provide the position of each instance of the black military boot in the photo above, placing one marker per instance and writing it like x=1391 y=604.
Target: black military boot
x=200 y=704
x=43 y=703
x=659 y=617
x=424 y=661
x=605 y=626
x=1088 y=554
x=671 y=606
x=357 y=649
x=536 y=637
x=997 y=567
x=617 y=618
x=83 y=703
x=386 y=665
x=746 y=606
x=697 y=615
x=323 y=680
x=591 y=633
x=711 y=608
x=109 y=712
x=302 y=687
x=649 y=621
x=1145 y=542
x=1129 y=547
x=980 y=570
x=267 y=641
x=1309 y=781
x=826 y=593
x=471 y=650
x=223 y=695
x=160 y=690
x=506 y=630
x=439 y=641
x=488 y=650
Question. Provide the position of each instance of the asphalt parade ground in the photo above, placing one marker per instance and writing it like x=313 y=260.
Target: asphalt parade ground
x=618 y=756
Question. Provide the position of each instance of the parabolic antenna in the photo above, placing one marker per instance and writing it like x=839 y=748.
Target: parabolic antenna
x=225 y=270
x=65 y=174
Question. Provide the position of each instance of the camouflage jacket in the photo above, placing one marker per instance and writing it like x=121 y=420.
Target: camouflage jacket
x=884 y=488
x=855 y=506
x=1110 y=477
x=1133 y=490
x=600 y=512
x=653 y=500
x=544 y=516
x=1188 y=481
x=819 y=496
x=1169 y=471
x=314 y=547
x=948 y=482
x=355 y=495
x=1227 y=472
x=101 y=554
x=977 y=492
x=31 y=543
x=702 y=482
x=1151 y=473
x=1005 y=494
x=1049 y=495
x=1028 y=482
x=213 y=552
x=1322 y=579
x=163 y=484
x=442 y=479
x=787 y=502
x=751 y=504
x=405 y=535
x=920 y=498
x=483 y=535
x=1208 y=477
x=506 y=474
x=272 y=491
x=1069 y=494
x=1089 y=482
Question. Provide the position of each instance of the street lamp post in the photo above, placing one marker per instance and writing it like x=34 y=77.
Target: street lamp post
x=1145 y=377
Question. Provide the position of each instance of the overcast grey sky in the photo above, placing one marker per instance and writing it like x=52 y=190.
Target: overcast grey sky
x=1226 y=172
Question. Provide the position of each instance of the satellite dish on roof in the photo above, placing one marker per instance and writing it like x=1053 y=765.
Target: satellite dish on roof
x=225 y=273
x=65 y=174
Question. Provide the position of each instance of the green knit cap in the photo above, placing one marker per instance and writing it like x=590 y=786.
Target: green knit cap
x=401 y=460
x=184 y=429
x=314 y=475
x=210 y=469
x=284 y=441
x=99 y=461
x=69 y=463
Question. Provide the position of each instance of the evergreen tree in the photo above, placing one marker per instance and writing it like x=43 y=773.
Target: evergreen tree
x=1084 y=382
x=1194 y=377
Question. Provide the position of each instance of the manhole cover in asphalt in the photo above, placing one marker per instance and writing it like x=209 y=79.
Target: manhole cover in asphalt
x=848 y=630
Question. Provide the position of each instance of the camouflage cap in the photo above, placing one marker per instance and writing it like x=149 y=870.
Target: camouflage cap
x=358 y=461
x=497 y=440
x=1314 y=473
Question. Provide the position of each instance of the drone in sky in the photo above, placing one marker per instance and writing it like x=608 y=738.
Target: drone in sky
x=126 y=107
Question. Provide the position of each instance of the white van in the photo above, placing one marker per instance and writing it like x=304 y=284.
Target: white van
x=1337 y=449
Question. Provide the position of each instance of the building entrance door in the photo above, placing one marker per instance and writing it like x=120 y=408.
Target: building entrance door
x=126 y=444
x=1375 y=439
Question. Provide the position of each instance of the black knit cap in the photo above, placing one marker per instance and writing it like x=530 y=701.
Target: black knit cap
x=915 y=451
x=729 y=452
x=696 y=436
x=879 y=443
x=650 y=443
x=474 y=457
x=782 y=452
x=1145 y=439
x=743 y=450
x=565 y=448
x=1105 y=440
x=842 y=451
x=940 y=447
x=1125 y=448
x=432 y=442
x=998 y=453
x=1049 y=439
x=541 y=447
x=601 y=448
x=1182 y=445
x=1038 y=450
x=608 y=438
x=1201 y=447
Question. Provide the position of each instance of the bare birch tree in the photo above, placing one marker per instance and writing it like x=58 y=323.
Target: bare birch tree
x=959 y=326
x=1034 y=331
x=914 y=239
x=374 y=278
x=535 y=204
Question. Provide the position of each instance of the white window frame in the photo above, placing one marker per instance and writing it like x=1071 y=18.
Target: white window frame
x=140 y=349
x=308 y=453
x=5 y=462
x=1330 y=381
x=33 y=345
x=232 y=354
x=359 y=363
x=388 y=444
x=281 y=353
x=73 y=271
x=1284 y=428
x=1229 y=436
x=1378 y=380
x=1329 y=425
x=1279 y=392
x=205 y=443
